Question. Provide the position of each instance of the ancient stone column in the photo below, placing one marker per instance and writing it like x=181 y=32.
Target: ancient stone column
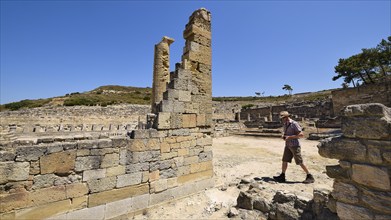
x=161 y=71
x=197 y=57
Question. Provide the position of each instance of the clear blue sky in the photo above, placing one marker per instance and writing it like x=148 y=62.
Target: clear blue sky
x=50 y=48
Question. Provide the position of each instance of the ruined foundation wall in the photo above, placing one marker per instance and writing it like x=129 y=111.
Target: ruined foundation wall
x=78 y=118
x=362 y=188
x=101 y=178
x=371 y=93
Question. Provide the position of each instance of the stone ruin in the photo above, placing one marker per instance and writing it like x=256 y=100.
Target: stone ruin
x=362 y=187
x=362 y=179
x=93 y=175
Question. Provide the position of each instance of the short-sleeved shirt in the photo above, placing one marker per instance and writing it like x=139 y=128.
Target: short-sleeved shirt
x=292 y=128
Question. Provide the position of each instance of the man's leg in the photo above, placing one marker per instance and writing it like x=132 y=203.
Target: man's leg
x=284 y=166
x=304 y=168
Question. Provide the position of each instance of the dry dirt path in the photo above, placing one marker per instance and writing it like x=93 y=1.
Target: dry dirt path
x=239 y=158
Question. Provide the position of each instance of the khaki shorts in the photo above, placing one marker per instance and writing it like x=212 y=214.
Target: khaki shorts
x=292 y=152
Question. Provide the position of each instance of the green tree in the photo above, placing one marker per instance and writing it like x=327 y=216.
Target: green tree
x=288 y=88
x=369 y=66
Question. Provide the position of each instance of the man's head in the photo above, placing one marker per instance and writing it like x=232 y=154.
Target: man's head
x=284 y=116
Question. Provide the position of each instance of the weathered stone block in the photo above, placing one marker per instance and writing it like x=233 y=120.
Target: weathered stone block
x=204 y=141
x=43 y=181
x=7 y=156
x=97 y=212
x=198 y=167
x=147 y=156
x=184 y=170
x=184 y=96
x=201 y=120
x=87 y=144
x=189 y=120
x=345 y=192
x=14 y=171
x=163 y=120
x=195 y=177
x=286 y=211
x=172 y=182
x=14 y=201
x=44 y=211
x=139 y=134
x=117 y=194
x=176 y=120
x=29 y=153
x=206 y=156
x=183 y=152
x=129 y=179
x=48 y=195
x=118 y=208
x=94 y=174
x=115 y=171
x=190 y=160
x=343 y=149
x=158 y=186
x=110 y=160
x=119 y=142
x=137 y=167
x=69 y=145
x=348 y=212
x=245 y=201
x=179 y=84
x=104 y=184
x=102 y=152
x=337 y=172
x=87 y=163
x=164 y=147
x=195 y=30
x=372 y=176
x=76 y=190
x=54 y=148
x=368 y=121
x=58 y=163
x=377 y=200
x=168 y=173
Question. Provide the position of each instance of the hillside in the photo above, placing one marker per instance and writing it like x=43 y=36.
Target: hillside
x=103 y=96
x=114 y=94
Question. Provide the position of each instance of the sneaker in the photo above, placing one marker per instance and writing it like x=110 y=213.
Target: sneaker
x=280 y=178
x=309 y=179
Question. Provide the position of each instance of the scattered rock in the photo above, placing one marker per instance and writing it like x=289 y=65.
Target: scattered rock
x=233 y=212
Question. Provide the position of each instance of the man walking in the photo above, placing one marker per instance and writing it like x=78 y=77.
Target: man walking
x=292 y=133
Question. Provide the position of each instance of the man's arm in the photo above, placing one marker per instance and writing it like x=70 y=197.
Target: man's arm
x=298 y=136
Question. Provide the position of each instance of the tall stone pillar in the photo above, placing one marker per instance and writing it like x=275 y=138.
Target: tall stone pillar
x=197 y=57
x=161 y=71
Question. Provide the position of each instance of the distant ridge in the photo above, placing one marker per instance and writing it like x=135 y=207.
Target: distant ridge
x=115 y=94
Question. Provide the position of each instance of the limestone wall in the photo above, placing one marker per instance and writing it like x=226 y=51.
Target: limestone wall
x=81 y=177
x=78 y=118
x=255 y=117
x=372 y=93
x=362 y=188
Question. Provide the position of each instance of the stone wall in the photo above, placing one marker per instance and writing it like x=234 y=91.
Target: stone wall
x=255 y=117
x=101 y=178
x=362 y=188
x=91 y=175
x=372 y=93
x=78 y=118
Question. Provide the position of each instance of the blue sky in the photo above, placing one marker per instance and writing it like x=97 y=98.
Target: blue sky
x=51 y=48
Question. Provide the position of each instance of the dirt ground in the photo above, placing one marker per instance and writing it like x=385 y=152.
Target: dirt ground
x=236 y=159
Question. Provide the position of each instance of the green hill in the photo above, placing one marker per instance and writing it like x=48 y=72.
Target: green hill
x=103 y=96
x=114 y=94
